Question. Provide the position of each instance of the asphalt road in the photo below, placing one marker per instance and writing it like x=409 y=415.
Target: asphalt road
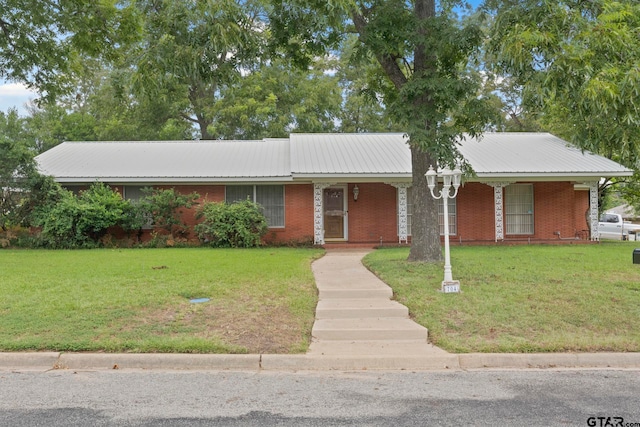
x=367 y=398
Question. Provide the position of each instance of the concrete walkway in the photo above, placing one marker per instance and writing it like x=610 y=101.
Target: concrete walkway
x=356 y=317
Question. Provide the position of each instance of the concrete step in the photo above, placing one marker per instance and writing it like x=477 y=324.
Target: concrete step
x=359 y=308
x=351 y=293
x=395 y=348
x=381 y=328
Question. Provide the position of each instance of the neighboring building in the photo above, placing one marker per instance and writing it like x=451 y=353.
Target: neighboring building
x=356 y=187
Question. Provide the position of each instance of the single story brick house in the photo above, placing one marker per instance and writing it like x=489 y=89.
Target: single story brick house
x=355 y=188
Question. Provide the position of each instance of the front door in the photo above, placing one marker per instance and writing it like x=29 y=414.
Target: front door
x=335 y=213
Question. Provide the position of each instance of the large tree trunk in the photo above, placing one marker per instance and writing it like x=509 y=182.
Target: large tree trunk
x=425 y=230
x=203 y=124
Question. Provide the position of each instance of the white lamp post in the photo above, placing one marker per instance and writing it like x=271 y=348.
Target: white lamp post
x=449 y=178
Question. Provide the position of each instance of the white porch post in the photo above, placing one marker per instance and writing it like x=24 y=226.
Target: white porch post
x=318 y=212
x=593 y=210
x=498 y=207
x=403 y=226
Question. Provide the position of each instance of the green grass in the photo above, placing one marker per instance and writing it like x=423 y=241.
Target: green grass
x=514 y=299
x=261 y=300
x=523 y=298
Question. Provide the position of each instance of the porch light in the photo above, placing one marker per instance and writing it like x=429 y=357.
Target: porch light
x=356 y=193
x=449 y=178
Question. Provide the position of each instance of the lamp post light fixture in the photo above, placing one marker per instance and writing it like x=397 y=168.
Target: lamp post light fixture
x=356 y=193
x=449 y=178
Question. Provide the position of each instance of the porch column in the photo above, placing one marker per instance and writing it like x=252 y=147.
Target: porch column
x=498 y=206
x=403 y=232
x=593 y=210
x=318 y=212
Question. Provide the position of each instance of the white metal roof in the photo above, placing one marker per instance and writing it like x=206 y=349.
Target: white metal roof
x=514 y=155
x=168 y=161
x=494 y=156
x=363 y=155
x=305 y=157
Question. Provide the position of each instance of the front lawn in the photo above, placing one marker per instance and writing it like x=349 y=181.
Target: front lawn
x=138 y=300
x=523 y=298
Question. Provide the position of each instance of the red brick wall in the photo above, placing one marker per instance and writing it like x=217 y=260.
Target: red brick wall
x=298 y=215
x=557 y=207
x=298 y=209
x=475 y=209
x=374 y=215
x=554 y=210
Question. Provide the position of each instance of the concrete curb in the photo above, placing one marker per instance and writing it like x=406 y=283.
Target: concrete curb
x=31 y=360
x=549 y=360
x=357 y=363
x=303 y=362
x=159 y=361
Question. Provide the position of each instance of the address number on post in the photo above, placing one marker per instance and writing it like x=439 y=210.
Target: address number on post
x=450 y=288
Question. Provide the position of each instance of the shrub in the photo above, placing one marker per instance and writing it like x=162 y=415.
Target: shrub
x=163 y=208
x=236 y=225
x=79 y=222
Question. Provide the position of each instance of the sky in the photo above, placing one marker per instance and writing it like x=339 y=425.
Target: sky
x=16 y=95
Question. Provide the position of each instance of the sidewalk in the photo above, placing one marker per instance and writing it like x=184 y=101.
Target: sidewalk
x=358 y=327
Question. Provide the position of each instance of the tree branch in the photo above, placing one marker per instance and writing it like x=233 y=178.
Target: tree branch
x=4 y=26
x=388 y=61
x=189 y=118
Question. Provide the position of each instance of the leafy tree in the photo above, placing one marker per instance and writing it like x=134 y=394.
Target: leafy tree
x=16 y=167
x=40 y=41
x=101 y=107
x=363 y=84
x=50 y=124
x=424 y=53
x=277 y=99
x=512 y=112
x=123 y=115
x=578 y=61
x=192 y=50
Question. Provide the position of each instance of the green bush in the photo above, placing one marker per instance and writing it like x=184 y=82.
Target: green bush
x=80 y=222
x=164 y=208
x=236 y=225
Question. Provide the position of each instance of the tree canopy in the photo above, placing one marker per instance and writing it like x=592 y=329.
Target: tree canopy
x=424 y=52
x=41 y=42
x=579 y=62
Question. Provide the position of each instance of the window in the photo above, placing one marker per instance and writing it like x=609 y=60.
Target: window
x=269 y=197
x=134 y=193
x=518 y=208
x=609 y=218
x=453 y=229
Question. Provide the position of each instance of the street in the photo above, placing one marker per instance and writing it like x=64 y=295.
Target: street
x=370 y=398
